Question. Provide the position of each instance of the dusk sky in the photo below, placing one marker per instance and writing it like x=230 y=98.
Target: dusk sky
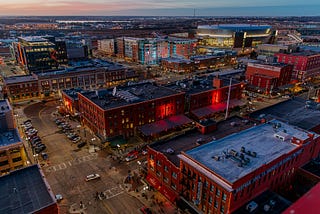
x=160 y=7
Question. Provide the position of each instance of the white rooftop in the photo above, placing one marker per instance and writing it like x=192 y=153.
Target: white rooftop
x=265 y=140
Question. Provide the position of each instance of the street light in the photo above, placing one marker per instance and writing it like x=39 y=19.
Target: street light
x=35 y=156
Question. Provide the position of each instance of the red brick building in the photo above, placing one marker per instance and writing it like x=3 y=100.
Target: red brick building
x=109 y=113
x=208 y=103
x=21 y=87
x=266 y=76
x=221 y=176
x=100 y=74
x=306 y=64
x=164 y=173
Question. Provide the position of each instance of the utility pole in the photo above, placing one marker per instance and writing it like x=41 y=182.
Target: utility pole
x=228 y=101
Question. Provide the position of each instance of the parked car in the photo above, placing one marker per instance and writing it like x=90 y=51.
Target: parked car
x=59 y=197
x=27 y=121
x=72 y=136
x=76 y=140
x=92 y=177
x=44 y=156
x=40 y=148
x=132 y=155
x=82 y=144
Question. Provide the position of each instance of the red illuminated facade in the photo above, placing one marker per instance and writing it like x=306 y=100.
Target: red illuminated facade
x=123 y=120
x=268 y=76
x=306 y=65
x=163 y=175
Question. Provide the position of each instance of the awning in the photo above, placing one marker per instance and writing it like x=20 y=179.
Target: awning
x=164 y=125
x=212 y=109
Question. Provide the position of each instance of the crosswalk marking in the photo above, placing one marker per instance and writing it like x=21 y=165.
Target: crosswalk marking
x=67 y=164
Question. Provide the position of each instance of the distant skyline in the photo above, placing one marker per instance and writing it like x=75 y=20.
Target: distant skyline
x=159 y=8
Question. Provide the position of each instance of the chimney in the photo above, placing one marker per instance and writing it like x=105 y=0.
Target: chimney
x=217 y=83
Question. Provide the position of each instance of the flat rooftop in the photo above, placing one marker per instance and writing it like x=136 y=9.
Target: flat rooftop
x=194 y=138
x=82 y=66
x=200 y=83
x=267 y=64
x=33 y=39
x=9 y=138
x=304 y=53
x=122 y=96
x=280 y=204
x=4 y=106
x=235 y=27
x=296 y=111
x=259 y=139
x=24 y=191
x=177 y=60
x=308 y=203
x=19 y=79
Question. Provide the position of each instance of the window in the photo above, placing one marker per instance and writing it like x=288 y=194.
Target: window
x=222 y=209
x=166 y=168
x=173 y=185
x=158 y=163
x=17 y=159
x=158 y=173
x=151 y=157
x=211 y=188
x=3 y=163
x=210 y=200
x=224 y=197
x=174 y=175
x=218 y=193
x=165 y=179
x=216 y=204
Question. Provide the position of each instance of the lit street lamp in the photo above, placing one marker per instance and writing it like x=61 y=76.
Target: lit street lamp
x=35 y=157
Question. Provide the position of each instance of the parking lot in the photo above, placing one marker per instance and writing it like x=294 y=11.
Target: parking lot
x=67 y=165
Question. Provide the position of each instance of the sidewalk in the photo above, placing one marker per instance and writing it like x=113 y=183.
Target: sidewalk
x=152 y=199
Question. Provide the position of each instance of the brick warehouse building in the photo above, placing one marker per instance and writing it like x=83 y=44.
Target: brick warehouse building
x=306 y=64
x=164 y=172
x=207 y=96
x=109 y=113
x=268 y=76
x=91 y=74
x=223 y=175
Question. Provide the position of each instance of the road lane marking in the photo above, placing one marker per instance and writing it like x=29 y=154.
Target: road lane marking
x=65 y=165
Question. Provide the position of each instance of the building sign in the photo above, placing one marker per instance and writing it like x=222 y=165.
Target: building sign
x=274 y=167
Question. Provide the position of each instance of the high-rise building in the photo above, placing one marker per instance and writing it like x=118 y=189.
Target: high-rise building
x=35 y=53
